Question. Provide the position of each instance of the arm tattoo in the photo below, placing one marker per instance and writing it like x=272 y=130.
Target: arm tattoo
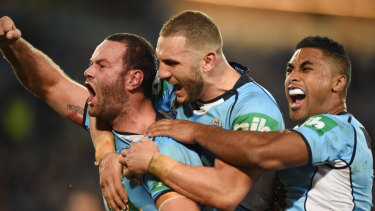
x=74 y=108
x=76 y=114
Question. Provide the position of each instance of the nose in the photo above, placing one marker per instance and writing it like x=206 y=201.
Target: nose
x=293 y=76
x=89 y=72
x=163 y=71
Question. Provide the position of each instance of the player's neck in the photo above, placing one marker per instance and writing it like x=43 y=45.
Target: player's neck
x=220 y=80
x=338 y=108
x=139 y=115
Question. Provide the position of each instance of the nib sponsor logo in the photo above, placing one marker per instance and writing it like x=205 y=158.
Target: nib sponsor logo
x=258 y=124
x=315 y=123
x=320 y=124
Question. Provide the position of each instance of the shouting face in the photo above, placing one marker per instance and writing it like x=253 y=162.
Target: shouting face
x=308 y=83
x=105 y=80
x=179 y=65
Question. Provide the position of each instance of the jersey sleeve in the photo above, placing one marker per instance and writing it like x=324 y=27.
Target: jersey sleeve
x=85 y=122
x=163 y=96
x=176 y=151
x=328 y=139
x=257 y=113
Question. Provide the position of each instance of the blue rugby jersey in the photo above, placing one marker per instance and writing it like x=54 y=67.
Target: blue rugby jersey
x=247 y=106
x=144 y=195
x=340 y=170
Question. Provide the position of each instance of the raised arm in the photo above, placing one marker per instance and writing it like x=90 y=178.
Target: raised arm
x=40 y=75
x=264 y=150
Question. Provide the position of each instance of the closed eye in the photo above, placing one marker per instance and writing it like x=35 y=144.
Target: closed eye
x=170 y=62
x=305 y=66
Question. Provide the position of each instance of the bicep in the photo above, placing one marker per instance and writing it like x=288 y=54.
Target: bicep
x=68 y=98
x=222 y=186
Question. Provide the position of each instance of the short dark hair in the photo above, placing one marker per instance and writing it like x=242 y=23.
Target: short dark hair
x=333 y=50
x=139 y=55
x=197 y=27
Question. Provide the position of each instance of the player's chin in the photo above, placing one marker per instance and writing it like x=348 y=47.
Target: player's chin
x=182 y=99
x=296 y=115
x=92 y=112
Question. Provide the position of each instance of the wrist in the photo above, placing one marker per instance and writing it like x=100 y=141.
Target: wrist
x=100 y=153
x=103 y=144
x=14 y=44
x=161 y=165
x=98 y=161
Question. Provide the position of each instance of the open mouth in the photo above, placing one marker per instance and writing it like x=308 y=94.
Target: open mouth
x=177 y=89
x=297 y=96
x=91 y=91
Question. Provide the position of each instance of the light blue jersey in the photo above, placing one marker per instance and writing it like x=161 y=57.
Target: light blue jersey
x=163 y=97
x=340 y=172
x=144 y=192
x=247 y=106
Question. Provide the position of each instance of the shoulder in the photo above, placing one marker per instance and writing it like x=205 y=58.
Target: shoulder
x=328 y=137
x=255 y=104
x=254 y=91
x=324 y=124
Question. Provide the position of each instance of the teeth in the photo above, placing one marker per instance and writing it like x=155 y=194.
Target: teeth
x=293 y=92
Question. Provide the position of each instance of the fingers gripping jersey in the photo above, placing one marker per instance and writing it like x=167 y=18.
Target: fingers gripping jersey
x=144 y=191
x=340 y=174
x=247 y=106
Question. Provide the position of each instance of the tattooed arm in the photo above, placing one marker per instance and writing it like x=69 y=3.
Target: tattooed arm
x=40 y=75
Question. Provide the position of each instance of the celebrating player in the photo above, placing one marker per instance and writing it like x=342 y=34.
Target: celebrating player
x=119 y=79
x=325 y=164
x=211 y=91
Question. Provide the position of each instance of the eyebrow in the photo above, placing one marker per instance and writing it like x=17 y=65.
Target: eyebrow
x=303 y=64
x=306 y=63
x=97 y=61
x=170 y=61
x=289 y=65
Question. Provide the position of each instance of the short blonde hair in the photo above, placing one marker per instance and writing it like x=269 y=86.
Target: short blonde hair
x=199 y=30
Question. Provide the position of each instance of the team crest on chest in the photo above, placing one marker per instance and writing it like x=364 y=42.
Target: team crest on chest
x=217 y=122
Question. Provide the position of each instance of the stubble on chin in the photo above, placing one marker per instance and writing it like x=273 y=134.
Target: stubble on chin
x=91 y=111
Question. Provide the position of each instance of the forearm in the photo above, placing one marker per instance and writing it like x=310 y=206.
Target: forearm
x=251 y=149
x=43 y=78
x=102 y=137
x=35 y=70
x=230 y=146
x=210 y=186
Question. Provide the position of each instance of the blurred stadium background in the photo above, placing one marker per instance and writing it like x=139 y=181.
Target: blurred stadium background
x=47 y=162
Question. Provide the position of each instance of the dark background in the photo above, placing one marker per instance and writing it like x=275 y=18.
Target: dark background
x=46 y=162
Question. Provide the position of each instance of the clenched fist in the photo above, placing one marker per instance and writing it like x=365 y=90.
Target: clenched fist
x=8 y=31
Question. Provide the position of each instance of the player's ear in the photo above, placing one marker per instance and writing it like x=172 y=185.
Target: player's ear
x=134 y=79
x=339 y=82
x=209 y=61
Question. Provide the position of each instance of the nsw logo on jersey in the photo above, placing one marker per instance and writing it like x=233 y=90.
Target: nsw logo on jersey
x=320 y=124
x=217 y=122
x=255 y=122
